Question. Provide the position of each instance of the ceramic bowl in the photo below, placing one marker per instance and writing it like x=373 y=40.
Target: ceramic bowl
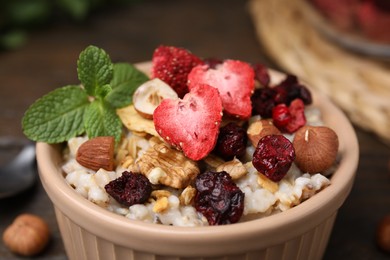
x=91 y=232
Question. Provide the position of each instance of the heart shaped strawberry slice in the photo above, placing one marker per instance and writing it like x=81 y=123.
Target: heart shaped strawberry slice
x=235 y=82
x=191 y=124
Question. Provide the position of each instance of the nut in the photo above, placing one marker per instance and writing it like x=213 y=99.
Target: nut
x=28 y=235
x=266 y=183
x=187 y=196
x=316 y=148
x=97 y=153
x=133 y=121
x=383 y=234
x=150 y=94
x=178 y=171
x=161 y=205
x=261 y=128
x=234 y=168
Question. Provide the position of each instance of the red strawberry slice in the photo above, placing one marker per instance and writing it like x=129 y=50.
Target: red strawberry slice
x=235 y=81
x=172 y=65
x=191 y=124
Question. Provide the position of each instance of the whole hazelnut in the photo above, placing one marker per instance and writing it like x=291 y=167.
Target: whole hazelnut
x=383 y=234
x=316 y=148
x=259 y=129
x=27 y=235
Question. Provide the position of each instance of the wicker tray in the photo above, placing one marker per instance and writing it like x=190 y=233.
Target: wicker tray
x=360 y=85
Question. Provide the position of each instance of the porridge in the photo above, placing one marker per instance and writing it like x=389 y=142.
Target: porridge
x=206 y=141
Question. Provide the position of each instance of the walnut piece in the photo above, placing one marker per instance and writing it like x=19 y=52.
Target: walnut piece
x=177 y=171
x=234 y=168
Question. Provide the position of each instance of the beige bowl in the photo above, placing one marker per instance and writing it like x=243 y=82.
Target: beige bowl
x=91 y=232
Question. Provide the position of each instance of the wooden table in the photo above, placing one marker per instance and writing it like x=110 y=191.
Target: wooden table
x=209 y=29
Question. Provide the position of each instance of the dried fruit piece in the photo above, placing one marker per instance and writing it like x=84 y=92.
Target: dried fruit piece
x=97 y=153
x=150 y=94
x=316 y=148
x=273 y=156
x=259 y=129
x=218 y=198
x=28 y=235
x=130 y=188
x=172 y=65
x=191 y=124
x=263 y=102
x=232 y=140
x=289 y=119
x=261 y=74
x=289 y=89
x=235 y=82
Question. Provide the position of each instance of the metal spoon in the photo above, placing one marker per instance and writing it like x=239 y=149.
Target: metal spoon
x=19 y=174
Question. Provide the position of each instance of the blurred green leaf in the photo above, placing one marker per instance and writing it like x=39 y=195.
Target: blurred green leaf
x=13 y=39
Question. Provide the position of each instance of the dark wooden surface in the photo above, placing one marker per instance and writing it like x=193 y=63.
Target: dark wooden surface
x=209 y=29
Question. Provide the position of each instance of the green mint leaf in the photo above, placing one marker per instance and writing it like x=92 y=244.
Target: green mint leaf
x=94 y=69
x=126 y=80
x=57 y=116
x=101 y=120
x=103 y=91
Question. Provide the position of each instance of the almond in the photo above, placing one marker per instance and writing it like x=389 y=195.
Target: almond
x=259 y=129
x=316 y=148
x=97 y=153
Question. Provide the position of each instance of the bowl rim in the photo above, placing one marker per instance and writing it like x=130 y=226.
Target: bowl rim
x=130 y=233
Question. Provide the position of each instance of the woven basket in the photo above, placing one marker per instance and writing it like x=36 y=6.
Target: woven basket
x=360 y=85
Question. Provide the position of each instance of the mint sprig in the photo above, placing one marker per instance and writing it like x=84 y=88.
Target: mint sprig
x=73 y=110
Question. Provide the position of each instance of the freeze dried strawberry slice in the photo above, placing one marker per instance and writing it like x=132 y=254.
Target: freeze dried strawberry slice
x=191 y=124
x=172 y=65
x=235 y=82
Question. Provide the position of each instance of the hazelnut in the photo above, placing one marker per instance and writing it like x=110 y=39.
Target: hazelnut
x=316 y=148
x=261 y=128
x=149 y=95
x=383 y=234
x=27 y=235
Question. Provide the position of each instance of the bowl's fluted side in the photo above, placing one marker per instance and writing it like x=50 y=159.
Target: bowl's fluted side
x=81 y=244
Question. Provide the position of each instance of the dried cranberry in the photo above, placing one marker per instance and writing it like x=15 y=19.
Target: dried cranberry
x=289 y=119
x=261 y=74
x=231 y=142
x=281 y=116
x=290 y=89
x=130 y=188
x=273 y=156
x=218 y=198
x=263 y=102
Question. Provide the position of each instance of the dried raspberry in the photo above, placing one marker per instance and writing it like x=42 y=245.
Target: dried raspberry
x=273 y=156
x=130 y=188
x=263 y=102
x=261 y=74
x=289 y=119
x=232 y=140
x=218 y=198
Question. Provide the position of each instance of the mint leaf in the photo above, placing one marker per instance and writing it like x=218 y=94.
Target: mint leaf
x=57 y=116
x=101 y=120
x=94 y=69
x=125 y=81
